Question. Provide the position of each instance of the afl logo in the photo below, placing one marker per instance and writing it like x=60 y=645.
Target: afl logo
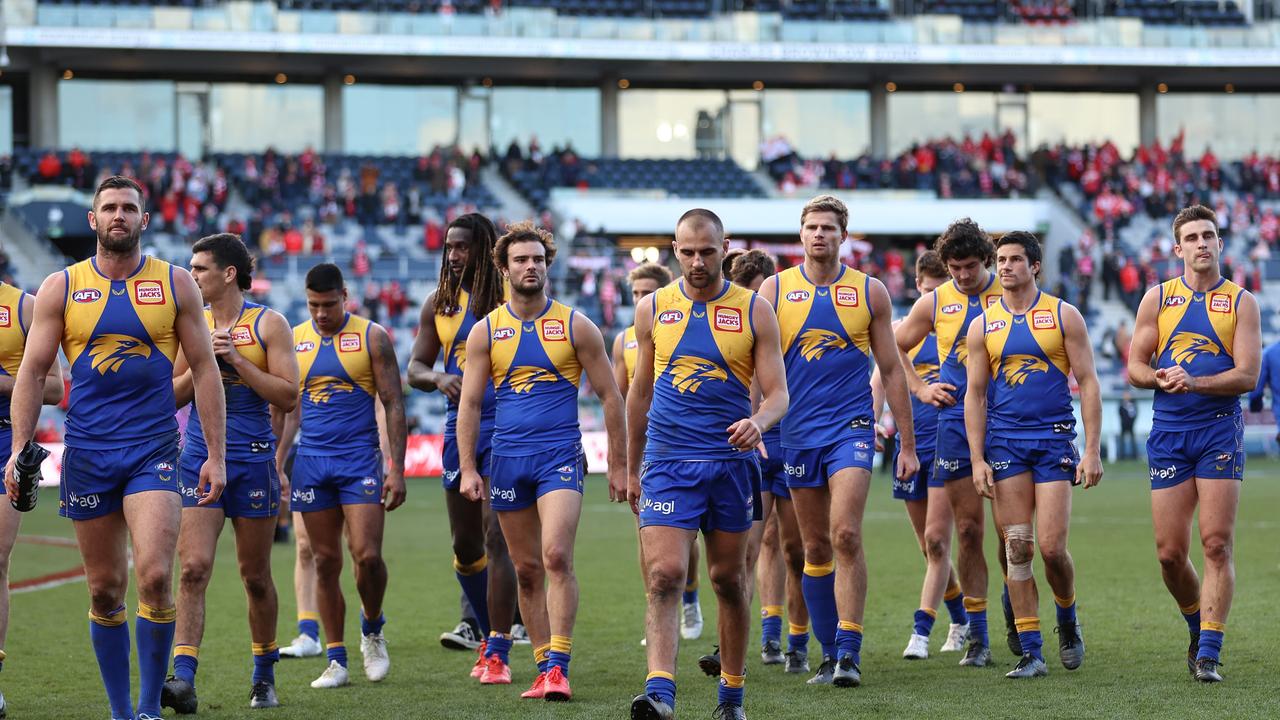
x=797 y=296
x=995 y=325
x=88 y=295
x=1175 y=301
x=952 y=309
x=504 y=333
x=306 y=346
x=670 y=317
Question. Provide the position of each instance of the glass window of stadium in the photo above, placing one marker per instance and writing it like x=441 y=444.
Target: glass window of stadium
x=817 y=123
x=397 y=120
x=920 y=116
x=1233 y=125
x=1081 y=118
x=6 y=120
x=673 y=123
x=116 y=114
x=557 y=116
x=248 y=118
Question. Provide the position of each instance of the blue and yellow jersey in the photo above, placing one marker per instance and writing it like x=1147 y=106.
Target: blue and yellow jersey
x=924 y=416
x=453 y=325
x=120 y=341
x=953 y=310
x=1029 y=396
x=1197 y=331
x=535 y=374
x=13 y=338
x=249 y=435
x=826 y=346
x=630 y=352
x=704 y=357
x=338 y=390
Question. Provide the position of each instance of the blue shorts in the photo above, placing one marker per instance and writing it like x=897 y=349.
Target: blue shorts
x=94 y=482
x=813 y=467
x=451 y=476
x=915 y=487
x=515 y=483
x=253 y=488
x=704 y=495
x=1047 y=459
x=951 y=455
x=1215 y=452
x=321 y=482
x=773 y=474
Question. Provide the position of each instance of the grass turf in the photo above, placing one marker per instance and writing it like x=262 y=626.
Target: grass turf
x=1135 y=637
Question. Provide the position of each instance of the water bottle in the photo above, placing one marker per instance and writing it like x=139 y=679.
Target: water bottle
x=26 y=471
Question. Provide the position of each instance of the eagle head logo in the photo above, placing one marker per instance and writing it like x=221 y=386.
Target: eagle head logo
x=322 y=388
x=460 y=354
x=110 y=350
x=689 y=372
x=927 y=372
x=1187 y=346
x=1017 y=368
x=815 y=343
x=523 y=377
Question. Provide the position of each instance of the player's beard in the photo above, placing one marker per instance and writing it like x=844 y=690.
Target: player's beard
x=119 y=245
x=707 y=279
x=530 y=290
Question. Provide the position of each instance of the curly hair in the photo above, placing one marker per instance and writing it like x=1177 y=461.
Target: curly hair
x=650 y=271
x=964 y=239
x=524 y=231
x=750 y=265
x=930 y=264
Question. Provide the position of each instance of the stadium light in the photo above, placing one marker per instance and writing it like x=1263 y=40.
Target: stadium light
x=758 y=85
x=623 y=83
x=1230 y=88
x=651 y=254
x=637 y=254
x=891 y=86
x=487 y=82
x=1162 y=88
x=67 y=74
x=348 y=79
x=281 y=78
x=958 y=87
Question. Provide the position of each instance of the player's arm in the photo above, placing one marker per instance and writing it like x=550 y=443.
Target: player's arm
x=38 y=357
x=422 y=360
x=386 y=380
x=893 y=374
x=196 y=344
x=639 y=399
x=1264 y=378
x=771 y=374
x=589 y=345
x=278 y=384
x=470 y=404
x=620 y=362
x=913 y=329
x=1080 y=359
x=1246 y=349
x=1142 y=346
x=285 y=426
x=52 y=392
x=975 y=405
x=184 y=386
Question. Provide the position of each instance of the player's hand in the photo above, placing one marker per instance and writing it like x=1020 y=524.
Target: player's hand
x=471 y=486
x=633 y=492
x=744 y=434
x=1175 y=379
x=450 y=385
x=393 y=490
x=983 y=481
x=617 y=484
x=213 y=480
x=286 y=490
x=908 y=463
x=937 y=394
x=1089 y=471
x=882 y=434
x=11 y=483
x=222 y=346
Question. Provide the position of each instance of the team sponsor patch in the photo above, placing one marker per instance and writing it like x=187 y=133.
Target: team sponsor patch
x=349 y=342
x=728 y=319
x=148 y=292
x=846 y=296
x=553 y=330
x=952 y=308
x=503 y=333
x=670 y=317
x=87 y=295
x=1043 y=320
x=4 y=316
x=241 y=335
x=304 y=346
x=796 y=296
x=1175 y=300
x=995 y=325
x=1219 y=303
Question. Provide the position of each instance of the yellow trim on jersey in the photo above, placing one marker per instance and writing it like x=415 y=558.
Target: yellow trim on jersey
x=13 y=336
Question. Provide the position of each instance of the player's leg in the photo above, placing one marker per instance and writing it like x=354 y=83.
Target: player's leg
x=939 y=524
x=197 y=541
x=1002 y=559
x=154 y=518
x=324 y=530
x=666 y=555
x=10 y=519
x=771 y=581
x=849 y=487
x=103 y=545
x=523 y=530
x=1172 y=511
x=1219 y=500
x=254 y=537
x=927 y=610
x=470 y=560
x=793 y=559
x=1053 y=524
x=966 y=508
x=502 y=575
x=690 y=608
x=1014 y=508
x=726 y=553
x=365 y=524
x=559 y=512
x=307 y=644
x=813 y=515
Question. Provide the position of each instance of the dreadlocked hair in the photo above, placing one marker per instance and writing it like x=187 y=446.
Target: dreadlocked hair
x=480 y=273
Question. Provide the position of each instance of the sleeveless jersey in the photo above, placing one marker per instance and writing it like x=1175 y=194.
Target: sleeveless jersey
x=13 y=338
x=703 y=362
x=535 y=375
x=826 y=346
x=1197 y=331
x=952 y=312
x=924 y=416
x=1029 y=395
x=120 y=342
x=249 y=435
x=453 y=326
x=630 y=352
x=338 y=391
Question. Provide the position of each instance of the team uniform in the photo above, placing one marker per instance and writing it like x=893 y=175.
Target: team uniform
x=1196 y=435
x=13 y=340
x=537 y=446
x=453 y=327
x=953 y=310
x=924 y=420
x=1030 y=424
x=253 y=485
x=339 y=461
x=703 y=364
x=119 y=339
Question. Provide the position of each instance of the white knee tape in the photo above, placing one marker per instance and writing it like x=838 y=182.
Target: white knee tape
x=1020 y=532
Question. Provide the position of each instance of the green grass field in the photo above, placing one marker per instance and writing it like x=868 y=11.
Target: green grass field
x=1136 y=639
